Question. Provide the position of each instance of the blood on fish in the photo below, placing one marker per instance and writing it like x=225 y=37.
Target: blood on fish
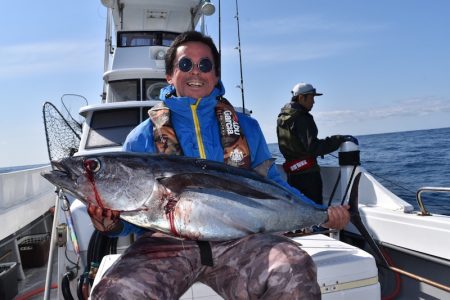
x=169 y=209
x=172 y=224
x=90 y=177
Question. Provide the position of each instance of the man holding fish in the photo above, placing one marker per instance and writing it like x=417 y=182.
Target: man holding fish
x=195 y=120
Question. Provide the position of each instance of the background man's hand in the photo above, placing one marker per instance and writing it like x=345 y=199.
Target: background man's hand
x=350 y=138
x=338 y=217
x=105 y=220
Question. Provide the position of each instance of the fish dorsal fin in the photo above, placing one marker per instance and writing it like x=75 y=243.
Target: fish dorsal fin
x=263 y=168
x=179 y=182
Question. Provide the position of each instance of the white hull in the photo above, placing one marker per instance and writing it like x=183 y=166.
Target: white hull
x=393 y=221
x=24 y=196
x=410 y=241
x=25 y=200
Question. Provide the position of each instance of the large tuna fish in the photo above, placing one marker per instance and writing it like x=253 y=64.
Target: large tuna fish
x=186 y=197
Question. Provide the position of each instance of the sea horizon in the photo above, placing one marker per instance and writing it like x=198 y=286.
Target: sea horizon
x=9 y=169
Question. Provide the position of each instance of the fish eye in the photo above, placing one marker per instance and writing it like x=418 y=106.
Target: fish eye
x=92 y=165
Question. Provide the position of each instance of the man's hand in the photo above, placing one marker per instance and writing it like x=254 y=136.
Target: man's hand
x=338 y=217
x=104 y=219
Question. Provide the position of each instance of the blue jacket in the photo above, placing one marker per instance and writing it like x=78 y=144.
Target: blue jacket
x=195 y=123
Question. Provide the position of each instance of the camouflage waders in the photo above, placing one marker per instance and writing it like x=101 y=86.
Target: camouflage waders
x=258 y=266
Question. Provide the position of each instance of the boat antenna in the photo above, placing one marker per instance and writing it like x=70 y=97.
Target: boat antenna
x=241 y=86
x=108 y=50
x=220 y=34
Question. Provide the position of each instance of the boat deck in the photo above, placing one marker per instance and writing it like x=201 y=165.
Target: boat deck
x=33 y=285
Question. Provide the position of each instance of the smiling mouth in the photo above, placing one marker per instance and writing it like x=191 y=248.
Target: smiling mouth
x=195 y=83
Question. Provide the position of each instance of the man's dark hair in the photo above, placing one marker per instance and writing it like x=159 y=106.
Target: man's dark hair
x=191 y=36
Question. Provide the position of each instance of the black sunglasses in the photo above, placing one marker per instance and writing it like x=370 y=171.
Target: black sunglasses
x=185 y=65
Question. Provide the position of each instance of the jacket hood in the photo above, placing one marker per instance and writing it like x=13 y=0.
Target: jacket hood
x=293 y=107
x=288 y=114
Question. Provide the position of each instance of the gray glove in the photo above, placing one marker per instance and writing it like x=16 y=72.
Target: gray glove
x=345 y=138
x=349 y=138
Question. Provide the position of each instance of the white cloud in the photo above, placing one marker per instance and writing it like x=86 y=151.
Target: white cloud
x=302 y=37
x=41 y=58
x=410 y=107
x=298 y=51
x=309 y=24
x=290 y=53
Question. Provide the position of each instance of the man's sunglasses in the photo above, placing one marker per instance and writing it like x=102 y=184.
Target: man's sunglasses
x=185 y=65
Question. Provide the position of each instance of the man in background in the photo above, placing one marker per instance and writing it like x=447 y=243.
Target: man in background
x=298 y=142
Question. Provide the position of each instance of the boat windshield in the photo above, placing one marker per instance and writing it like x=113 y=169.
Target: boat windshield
x=152 y=87
x=145 y=38
x=132 y=89
x=110 y=128
x=124 y=90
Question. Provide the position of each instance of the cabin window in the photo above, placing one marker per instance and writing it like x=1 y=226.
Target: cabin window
x=145 y=38
x=110 y=128
x=167 y=38
x=124 y=90
x=152 y=87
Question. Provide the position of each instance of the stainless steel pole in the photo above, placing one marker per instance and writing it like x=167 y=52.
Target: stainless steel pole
x=48 y=277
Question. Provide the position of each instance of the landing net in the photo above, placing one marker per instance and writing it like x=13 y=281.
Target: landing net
x=63 y=134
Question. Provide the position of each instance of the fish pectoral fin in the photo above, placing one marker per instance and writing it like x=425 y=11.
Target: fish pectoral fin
x=177 y=183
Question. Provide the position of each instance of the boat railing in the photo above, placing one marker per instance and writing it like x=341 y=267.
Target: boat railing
x=22 y=186
x=423 y=210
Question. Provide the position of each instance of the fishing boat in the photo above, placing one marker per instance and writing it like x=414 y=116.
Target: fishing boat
x=25 y=211
x=414 y=259
x=137 y=36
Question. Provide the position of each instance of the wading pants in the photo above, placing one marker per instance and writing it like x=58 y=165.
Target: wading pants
x=258 y=266
x=310 y=184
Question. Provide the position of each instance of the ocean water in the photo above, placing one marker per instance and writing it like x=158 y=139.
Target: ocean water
x=401 y=161
x=19 y=168
x=404 y=162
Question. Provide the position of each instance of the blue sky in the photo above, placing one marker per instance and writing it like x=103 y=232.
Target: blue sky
x=383 y=66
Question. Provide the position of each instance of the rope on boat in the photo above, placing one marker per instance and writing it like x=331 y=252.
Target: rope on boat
x=421 y=279
x=32 y=293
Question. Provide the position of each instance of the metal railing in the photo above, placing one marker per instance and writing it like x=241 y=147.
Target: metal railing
x=423 y=210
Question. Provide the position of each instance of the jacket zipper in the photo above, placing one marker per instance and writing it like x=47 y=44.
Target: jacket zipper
x=201 y=148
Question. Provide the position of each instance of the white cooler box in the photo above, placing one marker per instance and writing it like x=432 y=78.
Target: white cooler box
x=343 y=271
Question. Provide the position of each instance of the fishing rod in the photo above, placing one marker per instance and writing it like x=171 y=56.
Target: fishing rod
x=220 y=33
x=241 y=86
